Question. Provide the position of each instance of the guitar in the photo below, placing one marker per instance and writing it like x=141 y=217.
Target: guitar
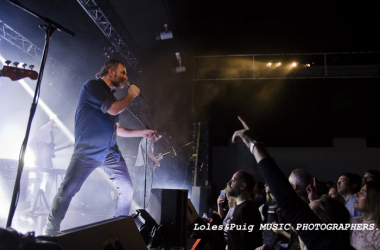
x=15 y=73
x=48 y=150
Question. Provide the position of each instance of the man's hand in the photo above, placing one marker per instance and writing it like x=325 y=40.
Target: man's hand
x=148 y=133
x=134 y=90
x=220 y=200
x=311 y=190
x=242 y=133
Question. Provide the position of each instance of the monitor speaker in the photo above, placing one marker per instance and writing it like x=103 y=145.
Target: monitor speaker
x=169 y=206
x=114 y=234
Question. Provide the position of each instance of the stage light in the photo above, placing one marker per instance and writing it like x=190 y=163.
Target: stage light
x=307 y=65
x=278 y=64
x=269 y=64
x=167 y=34
x=181 y=68
x=294 y=64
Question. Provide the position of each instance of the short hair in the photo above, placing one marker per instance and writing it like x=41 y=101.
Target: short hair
x=248 y=179
x=330 y=210
x=110 y=64
x=373 y=200
x=375 y=174
x=354 y=179
x=302 y=179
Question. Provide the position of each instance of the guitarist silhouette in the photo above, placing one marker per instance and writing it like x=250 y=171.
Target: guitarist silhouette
x=43 y=147
x=146 y=146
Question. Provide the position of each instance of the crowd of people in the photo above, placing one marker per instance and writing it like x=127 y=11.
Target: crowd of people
x=299 y=212
x=347 y=214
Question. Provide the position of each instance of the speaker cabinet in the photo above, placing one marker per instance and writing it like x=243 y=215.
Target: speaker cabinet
x=170 y=206
x=114 y=234
x=200 y=199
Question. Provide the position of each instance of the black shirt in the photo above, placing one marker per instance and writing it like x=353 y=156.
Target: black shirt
x=95 y=129
x=245 y=215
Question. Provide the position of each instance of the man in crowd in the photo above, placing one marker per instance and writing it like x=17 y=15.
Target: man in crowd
x=245 y=214
x=370 y=175
x=348 y=185
x=300 y=179
x=96 y=127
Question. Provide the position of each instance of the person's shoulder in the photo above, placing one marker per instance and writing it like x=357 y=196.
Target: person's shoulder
x=94 y=82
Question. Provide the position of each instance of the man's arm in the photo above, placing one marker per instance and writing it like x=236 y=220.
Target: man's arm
x=126 y=132
x=120 y=105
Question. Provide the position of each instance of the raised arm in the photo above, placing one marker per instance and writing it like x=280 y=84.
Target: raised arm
x=120 y=105
x=251 y=142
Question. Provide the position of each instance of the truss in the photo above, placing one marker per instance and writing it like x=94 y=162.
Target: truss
x=100 y=12
x=16 y=39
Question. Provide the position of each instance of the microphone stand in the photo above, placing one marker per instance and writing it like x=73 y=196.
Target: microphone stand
x=50 y=26
x=146 y=154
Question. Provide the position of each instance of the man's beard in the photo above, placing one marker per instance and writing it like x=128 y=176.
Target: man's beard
x=233 y=193
x=118 y=84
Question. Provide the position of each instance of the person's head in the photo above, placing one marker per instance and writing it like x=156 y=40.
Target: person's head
x=348 y=184
x=330 y=210
x=242 y=183
x=300 y=179
x=367 y=201
x=333 y=193
x=115 y=71
x=259 y=186
x=328 y=184
x=371 y=175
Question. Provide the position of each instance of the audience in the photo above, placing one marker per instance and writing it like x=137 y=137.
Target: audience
x=371 y=175
x=300 y=179
x=226 y=212
x=349 y=184
x=367 y=201
x=245 y=214
x=271 y=213
x=333 y=193
x=295 y=210
x=258 y=198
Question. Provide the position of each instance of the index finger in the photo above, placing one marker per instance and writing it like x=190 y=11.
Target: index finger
x=243 y=122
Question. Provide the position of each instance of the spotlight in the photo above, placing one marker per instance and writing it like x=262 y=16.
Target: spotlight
x=294 y=64
x=180 y=68
x=167 y=34
x=278 y=64
x=269 y=64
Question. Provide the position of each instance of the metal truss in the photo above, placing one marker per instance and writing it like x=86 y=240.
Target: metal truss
x=16 y=39
x=100 y=12
x=308 y=66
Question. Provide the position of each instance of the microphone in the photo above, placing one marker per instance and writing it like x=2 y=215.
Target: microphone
x=128 y=85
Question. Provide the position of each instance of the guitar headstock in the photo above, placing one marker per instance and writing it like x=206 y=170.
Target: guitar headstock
x=15 y=73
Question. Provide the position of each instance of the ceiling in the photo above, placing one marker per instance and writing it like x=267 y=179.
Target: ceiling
x=315 y=108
